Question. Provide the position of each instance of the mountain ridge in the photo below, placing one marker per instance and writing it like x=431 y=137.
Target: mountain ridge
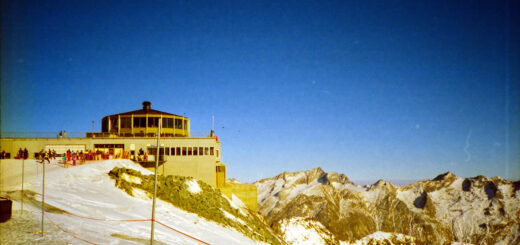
x=444 y=209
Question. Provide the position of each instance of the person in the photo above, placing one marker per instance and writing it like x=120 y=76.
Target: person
x=68 y=155
x=20 y=154
x=74 y=157
x=65 y=160
x=53 y=154
x=46 y=157
x=25 y=153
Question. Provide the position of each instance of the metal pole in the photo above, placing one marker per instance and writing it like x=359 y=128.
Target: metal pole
x=43 y=195
x=23 y=170
x=155 y=181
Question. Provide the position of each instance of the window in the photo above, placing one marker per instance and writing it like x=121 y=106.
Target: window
x=195 y=151
x=185 y=124
x=211 y=151
x=189 y=151
x=201 y=149
x=221 y=168
x=139 y=122
x=113 y=123
x=152 y=150
x=104 y=125
x=178 y=151
x=167 y=151
x=153 y=122
x=172 y=151
x=178 y=123
x=217 y=152
x=126 y=122
x=206 y=151
x=184 y=151
x=167 y=122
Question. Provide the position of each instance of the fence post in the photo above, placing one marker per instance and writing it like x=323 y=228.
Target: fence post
x=155 y=181
x=23 y=172
x=43 y=196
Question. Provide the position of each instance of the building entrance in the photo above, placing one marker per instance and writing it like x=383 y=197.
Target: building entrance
x=110 y=150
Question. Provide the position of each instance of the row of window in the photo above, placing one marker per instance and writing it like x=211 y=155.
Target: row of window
x=184 y=151
x=141 y=122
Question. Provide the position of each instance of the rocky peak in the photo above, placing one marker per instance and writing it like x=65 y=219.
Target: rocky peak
x=381 y=184
x=444 y=176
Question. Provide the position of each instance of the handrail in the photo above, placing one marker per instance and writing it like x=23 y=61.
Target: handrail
x=75 y=135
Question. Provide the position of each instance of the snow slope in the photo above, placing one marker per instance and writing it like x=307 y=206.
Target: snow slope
x=87 y=191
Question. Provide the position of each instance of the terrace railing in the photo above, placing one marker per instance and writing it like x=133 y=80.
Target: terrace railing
x=59 y=135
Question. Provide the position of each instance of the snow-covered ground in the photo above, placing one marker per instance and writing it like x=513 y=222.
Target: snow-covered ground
x=91 y=207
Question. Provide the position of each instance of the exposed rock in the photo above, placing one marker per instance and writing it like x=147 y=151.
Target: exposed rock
x=491 y=190
x=420 y=201
x=443 y=176
x=466 y=185
x=516 y=185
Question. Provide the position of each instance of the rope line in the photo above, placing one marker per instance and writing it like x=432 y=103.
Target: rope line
x=70 y=233
x=180 y=232
x=112 y=220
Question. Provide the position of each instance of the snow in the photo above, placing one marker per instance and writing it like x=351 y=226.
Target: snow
x=232 y=217
x=193 y=186
x=300 y=231
x=93 y=207
x=131 y=179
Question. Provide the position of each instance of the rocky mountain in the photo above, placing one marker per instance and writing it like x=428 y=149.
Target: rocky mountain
x=444 y=210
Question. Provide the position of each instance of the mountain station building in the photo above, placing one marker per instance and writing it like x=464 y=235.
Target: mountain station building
x=133 y=135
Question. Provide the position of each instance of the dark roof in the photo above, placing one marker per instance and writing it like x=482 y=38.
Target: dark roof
x=146 y=110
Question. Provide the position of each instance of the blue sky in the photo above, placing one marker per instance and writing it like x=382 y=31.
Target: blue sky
x=372 y=89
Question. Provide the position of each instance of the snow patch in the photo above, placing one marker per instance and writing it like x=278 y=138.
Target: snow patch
x=232 y=217
x=300 y=231
x=193 y=186
x=132 y=179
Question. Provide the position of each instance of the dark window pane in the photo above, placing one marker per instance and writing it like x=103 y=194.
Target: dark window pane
x=178 y=123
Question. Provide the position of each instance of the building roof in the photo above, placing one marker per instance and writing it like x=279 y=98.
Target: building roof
x=146 y=110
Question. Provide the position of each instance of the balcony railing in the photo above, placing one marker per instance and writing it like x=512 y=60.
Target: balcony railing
x=65 y=135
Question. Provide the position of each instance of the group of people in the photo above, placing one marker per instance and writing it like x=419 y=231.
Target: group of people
x=46 y=155
x=73 y=157
x=22 y=154
x=142 y=155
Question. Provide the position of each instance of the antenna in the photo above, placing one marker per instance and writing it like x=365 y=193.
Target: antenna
x=213 y=123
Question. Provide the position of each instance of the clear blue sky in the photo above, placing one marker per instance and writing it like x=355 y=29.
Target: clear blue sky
x=372 y=89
